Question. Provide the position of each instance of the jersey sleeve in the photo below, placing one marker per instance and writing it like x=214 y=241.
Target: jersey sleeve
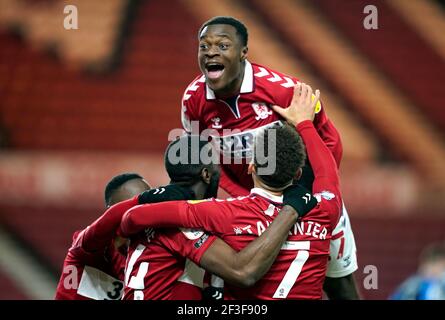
x=343 y=251
x=326 y=180
x=329 y=134
x=192 y=243
x=211 y=215
x=99 y=234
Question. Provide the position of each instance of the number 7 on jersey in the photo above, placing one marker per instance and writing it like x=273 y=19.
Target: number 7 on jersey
x=294 y=270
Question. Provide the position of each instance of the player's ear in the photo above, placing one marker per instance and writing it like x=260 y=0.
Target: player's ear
x=244 y=51
x=298 y=174
x=206 y=175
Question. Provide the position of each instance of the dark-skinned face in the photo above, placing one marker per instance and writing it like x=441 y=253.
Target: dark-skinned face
x=220 y=57
x=128 y=190
x=212 y=189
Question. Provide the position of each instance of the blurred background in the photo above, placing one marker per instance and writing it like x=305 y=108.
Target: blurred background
x=80 y=106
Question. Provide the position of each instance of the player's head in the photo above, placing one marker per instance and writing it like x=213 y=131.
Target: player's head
x=279 y=147
x=189 y=161
x=432 y=260
x=222 y=54
x=124 y=186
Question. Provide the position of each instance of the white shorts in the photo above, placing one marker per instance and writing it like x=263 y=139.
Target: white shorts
x=343 y=252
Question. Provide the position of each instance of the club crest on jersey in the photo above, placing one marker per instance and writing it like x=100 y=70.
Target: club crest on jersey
x=262 y=110
x=216 y=123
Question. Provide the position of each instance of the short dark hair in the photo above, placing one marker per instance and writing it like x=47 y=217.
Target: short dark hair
x=290 y=154
x=183 y=158
x=241 y=29
x=432 y=252
x=116 y=182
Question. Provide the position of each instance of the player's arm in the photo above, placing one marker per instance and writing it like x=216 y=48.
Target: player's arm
x=343 y=288
x=246 y=267
x=329 y=134
x=99 y=234
x=300 y=113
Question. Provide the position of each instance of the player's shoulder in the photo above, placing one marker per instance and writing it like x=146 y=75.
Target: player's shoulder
x=195 y=90
x=221 y=203
x=269 y=77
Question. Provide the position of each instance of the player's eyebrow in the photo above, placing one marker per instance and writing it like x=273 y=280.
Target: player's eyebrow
x=221 y=35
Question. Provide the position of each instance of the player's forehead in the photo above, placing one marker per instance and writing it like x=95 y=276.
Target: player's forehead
x=218 y=31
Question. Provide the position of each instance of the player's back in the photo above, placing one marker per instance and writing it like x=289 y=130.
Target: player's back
x=91 y=275
x=300 y=268
x=155 y=264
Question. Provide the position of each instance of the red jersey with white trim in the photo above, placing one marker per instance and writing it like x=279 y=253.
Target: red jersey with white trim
x=157 y=268
x=300 y=268
x=93 y=268
x=91 y=275
x=237 y=120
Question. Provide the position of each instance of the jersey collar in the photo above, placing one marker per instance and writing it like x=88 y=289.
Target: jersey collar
x=263 y=193
x=246 y=86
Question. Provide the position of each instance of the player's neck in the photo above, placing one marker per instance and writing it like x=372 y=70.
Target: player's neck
x=199 y=189
x=258 y=184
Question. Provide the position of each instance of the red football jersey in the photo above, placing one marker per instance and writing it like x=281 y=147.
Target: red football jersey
x=300 y=268
x=93 y=268
x=91 y=275
x=157 y=268
x=237 y=123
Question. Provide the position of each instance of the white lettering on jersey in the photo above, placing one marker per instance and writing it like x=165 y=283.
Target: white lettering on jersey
x=308 y=228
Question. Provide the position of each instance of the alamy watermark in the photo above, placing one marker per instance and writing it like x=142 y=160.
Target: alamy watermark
x=71 y=20
x=230 y=147
x=371 y=21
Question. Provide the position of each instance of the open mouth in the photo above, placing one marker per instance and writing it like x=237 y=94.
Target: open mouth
x=214 y=70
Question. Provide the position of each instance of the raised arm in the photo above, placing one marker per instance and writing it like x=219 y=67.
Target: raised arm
x=300 y=113
x=329 y=134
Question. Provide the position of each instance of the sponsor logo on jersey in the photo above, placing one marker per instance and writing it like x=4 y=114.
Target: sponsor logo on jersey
x=201 y=240
x=239 y=144
x=262 y=110
x=192 y=234
x=197 y=201
x=237 y=230
x=327 y=195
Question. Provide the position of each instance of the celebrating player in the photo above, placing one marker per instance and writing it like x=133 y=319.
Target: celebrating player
x=93 y=267
x=157 y=267
x=234 y=94
x=300 y=268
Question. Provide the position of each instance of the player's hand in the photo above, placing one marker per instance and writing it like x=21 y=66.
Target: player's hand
x=299 y=198
x=170 y=192
x=302 y=106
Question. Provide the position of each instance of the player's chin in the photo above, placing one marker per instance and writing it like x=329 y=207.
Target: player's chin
x=216 y=84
